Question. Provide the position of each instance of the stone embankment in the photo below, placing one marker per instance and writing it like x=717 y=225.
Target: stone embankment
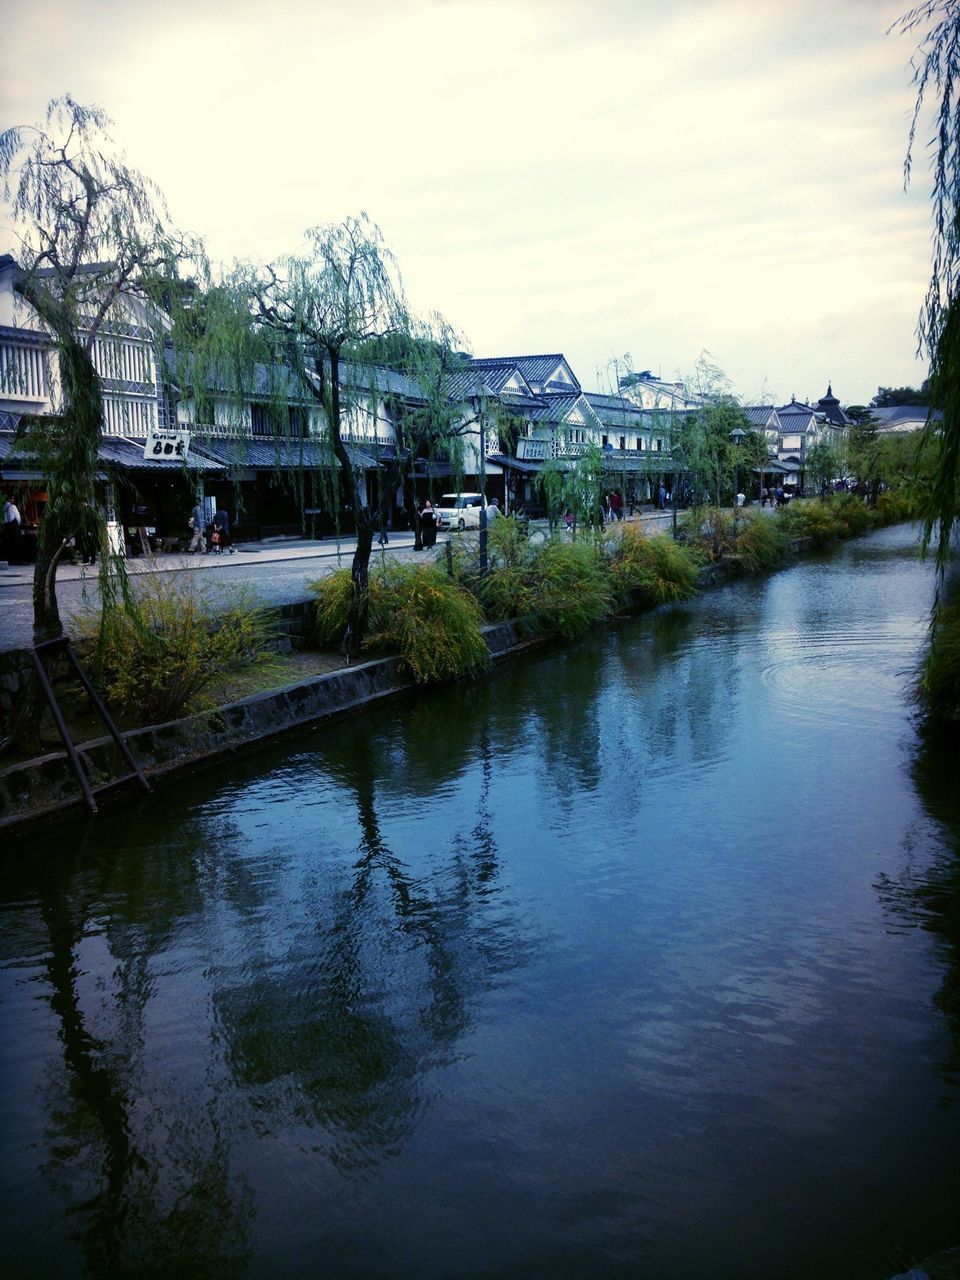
x=47 y=785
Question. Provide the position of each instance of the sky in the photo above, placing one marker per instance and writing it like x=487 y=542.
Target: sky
x=651 y=179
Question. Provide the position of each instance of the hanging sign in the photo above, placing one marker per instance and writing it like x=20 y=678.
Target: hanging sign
x=167 y=445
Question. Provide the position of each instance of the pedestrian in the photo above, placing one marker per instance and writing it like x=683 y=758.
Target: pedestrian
x=493 y=509
x=661 y=497
x=568 y=520
x=11 y=532
x=763 y=496
x=616 y=505
x=779 y=492
x=221 y=532
x=197 y=526
x=428 y=525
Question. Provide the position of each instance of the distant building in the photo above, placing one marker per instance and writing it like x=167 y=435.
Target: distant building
x=904 y=417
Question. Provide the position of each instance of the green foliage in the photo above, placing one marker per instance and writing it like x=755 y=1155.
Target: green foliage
x=823 y=464
x=334 y=594
x=761 y=543
x=890 y=397
x=710 y=529
x=814 y=521
x=853 y=514
x=507 y=542
x=417 y=611
x=157 y=658
x=433 y=622
x=575 y=487
x=893 y=507
x=938 y=684
x=508 y=592
x=652 y=570
x=573 y=589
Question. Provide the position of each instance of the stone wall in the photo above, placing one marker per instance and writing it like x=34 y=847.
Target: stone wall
x=47 y=784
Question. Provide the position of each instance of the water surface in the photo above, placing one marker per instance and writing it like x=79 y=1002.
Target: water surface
x=639 y=959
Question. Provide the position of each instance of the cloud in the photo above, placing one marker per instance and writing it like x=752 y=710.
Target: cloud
x=585 y=177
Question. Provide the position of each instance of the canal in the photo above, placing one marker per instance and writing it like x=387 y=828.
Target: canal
x=638 y=959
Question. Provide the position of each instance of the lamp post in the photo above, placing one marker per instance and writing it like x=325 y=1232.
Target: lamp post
x=478 y=409
x=736 y=439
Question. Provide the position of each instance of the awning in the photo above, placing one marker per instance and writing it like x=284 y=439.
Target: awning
x=516 y=464
x=127 y=454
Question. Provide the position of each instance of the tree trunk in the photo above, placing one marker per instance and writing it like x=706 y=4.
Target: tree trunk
x=356 y=628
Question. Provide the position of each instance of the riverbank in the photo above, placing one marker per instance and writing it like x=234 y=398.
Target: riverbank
x=46 y=785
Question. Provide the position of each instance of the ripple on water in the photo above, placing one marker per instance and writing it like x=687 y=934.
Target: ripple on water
x=837 y=673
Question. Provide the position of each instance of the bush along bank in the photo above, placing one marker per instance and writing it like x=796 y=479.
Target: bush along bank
x=431 y=614
x=444 y=621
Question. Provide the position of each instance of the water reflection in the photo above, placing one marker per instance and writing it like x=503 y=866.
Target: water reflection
x=925 y=893
x=373 y=983
x=582 y=970
x=145 y=1188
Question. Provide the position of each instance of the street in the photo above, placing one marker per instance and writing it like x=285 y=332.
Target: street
x=277 y=571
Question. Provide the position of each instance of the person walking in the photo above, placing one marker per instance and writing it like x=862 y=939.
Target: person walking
x=616 y=505
x=11 y=532
x=197 y=523
x=428 y=525
x=221 y=532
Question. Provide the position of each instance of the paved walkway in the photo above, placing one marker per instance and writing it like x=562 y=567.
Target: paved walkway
x=277 y=571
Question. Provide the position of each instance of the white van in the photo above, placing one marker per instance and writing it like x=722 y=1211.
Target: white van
x=460 y=510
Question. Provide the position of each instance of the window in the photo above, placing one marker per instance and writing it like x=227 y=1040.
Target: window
x=260 y=423
x=623 y=442
x=299 y=420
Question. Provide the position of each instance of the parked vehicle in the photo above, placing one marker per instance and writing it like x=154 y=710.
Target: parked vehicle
x=460 y=510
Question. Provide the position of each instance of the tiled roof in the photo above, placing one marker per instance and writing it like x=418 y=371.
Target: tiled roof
x=893 y=415
x=118 y=451
x=535 y=368
x=617 y=411
x=760 y=415
x=266 y=381
x=555 y=409
x=126 y=452
x=269 y=452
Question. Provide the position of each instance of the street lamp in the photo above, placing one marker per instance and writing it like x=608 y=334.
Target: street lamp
x=736 y=439
x=478 y=410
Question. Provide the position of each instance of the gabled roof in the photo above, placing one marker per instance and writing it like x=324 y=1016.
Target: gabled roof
x=761 y=415
x=557 y=410
x=537 y=370
x=617 y=411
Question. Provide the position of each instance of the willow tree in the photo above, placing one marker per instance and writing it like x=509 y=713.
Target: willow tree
x=93 y=236
x=936 y=65
x=318 y=308
x=93 y=239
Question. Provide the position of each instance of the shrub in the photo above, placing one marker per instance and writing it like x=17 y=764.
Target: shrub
x=417 y=611
x=852 y=513
x=656 y=570
x=572 y=590
x=710 y=529
x=894 y=506
x=938 y=684
x=435 y=623
x=157 y=657
x=334 y=594
x=507 y=592
x=507 y=542
x=761 y=543
x=813 y=520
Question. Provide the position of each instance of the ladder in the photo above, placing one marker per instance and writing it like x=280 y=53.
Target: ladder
x=89 y=792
